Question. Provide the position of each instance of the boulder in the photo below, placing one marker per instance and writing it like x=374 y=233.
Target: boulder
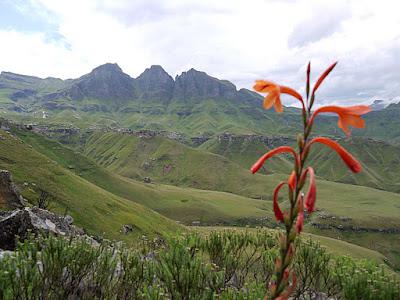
x=127 y=229
x=20 y=222
x=9 y=196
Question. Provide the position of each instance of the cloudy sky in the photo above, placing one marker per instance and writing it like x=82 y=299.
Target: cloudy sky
x=238 y=40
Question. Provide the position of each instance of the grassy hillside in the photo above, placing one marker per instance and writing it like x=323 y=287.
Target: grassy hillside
x=358 y=206
x=97 y=210
x=182 y=204
x=380 y=160
x=125 y=154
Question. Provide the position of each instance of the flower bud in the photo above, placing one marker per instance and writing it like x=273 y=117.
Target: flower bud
x=300 y=141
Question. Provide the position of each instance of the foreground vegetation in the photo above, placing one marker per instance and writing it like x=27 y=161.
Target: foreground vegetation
x=224 y=265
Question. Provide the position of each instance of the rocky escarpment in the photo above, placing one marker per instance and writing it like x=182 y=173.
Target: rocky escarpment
x=117 y=91
x=270 y=141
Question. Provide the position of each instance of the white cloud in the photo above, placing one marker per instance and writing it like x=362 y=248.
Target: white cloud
x=236 y=40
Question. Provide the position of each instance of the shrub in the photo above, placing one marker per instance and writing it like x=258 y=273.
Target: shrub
x=223 y=265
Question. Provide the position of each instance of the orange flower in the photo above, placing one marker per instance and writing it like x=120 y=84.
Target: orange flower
x=277 y=210
x=348 y=116
x=271 y=153
x=349 y=160
x=274 y=92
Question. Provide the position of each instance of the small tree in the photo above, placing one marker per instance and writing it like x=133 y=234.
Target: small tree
x=45 y=199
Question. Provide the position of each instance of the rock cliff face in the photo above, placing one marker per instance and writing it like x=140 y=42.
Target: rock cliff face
x=110 y=84
x=155 y=84
x=106 y=82
x=194 y=84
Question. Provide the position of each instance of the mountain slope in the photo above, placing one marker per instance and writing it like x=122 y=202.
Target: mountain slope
x=353 y=207
x=380 y=160
x=182 y=204
x=93 y=208
x=194 y=103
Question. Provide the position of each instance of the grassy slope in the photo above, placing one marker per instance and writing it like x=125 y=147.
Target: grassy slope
x=190 y=117
x=380 y=160
x=187 y=204
x=92 y=207
x=183 y=204
x=125 y=154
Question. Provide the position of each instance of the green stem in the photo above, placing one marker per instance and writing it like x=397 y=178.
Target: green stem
x=292 y=216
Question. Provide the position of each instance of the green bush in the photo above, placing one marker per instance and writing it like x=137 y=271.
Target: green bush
x=223 y=265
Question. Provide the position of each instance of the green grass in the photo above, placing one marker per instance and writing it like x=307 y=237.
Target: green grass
x=125 y=155
x=366 y=207
x=182 y=204
x=97 y=210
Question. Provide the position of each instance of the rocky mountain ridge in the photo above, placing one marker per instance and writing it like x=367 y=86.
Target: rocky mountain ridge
x=109 y=82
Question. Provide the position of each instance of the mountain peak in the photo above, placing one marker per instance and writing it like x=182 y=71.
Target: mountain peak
x=108 y=67
x=155 y=84
x=198 y=84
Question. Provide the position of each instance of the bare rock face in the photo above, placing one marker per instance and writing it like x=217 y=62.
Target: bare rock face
x=19 y=222
x=9 y=196
x=155 y=84
x=194 y=84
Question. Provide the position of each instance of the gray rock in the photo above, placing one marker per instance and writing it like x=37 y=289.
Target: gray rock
x=127 y=229
x=9 y=195
x=20 y=222
x=68 y=219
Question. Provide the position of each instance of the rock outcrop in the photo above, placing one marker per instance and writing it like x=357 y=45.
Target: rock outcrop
x=20 y=222
x=9 y=196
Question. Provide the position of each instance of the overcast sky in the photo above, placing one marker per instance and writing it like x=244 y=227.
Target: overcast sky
x=237 y=40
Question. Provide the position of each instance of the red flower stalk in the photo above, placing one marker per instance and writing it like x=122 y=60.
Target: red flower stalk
x=349 y=160
x=271 y=153
x=294 y=216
